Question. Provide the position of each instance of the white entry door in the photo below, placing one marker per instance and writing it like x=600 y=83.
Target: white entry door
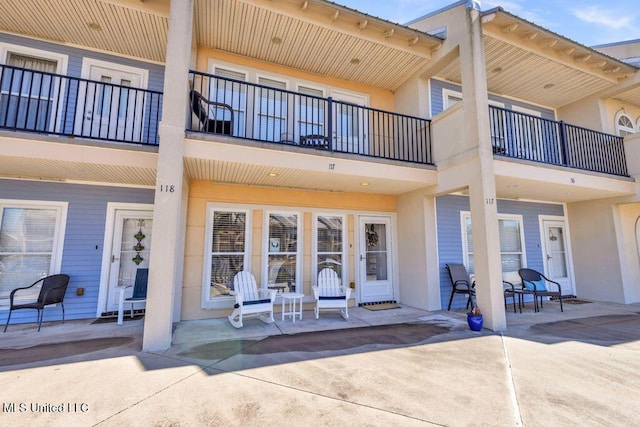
x=109 y=106
x=555 y=254
x=129 y=251
x=376 y=276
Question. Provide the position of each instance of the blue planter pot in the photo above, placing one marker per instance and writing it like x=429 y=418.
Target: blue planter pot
x=475 y=322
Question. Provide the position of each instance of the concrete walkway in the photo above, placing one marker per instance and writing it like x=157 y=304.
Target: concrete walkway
x=397 y=367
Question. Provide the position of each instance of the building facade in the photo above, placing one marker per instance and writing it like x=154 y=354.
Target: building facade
x=202 y=138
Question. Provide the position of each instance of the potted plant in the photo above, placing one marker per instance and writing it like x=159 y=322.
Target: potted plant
x=474 y=319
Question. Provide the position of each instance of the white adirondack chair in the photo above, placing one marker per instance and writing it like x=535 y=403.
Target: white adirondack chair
x=250 y=300
x=330 y=295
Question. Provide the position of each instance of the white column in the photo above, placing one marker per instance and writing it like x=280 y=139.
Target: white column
x=482 y=191
x=166 y=259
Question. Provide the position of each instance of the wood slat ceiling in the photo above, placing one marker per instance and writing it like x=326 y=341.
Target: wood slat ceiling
x=522 y=74
x=127 y=27
x=251 y=174
x=58 y=170
x=313 y=43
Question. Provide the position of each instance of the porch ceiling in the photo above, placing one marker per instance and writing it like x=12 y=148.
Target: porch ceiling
x=228 y=172
x=128 y=27
x=70 y=171
x=315 y=36
x=527 y=62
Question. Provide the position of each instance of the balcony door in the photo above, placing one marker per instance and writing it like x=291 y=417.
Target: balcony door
x=350 y=123
x=109 y=106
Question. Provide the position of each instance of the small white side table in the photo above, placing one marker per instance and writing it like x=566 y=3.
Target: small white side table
x=292 y=298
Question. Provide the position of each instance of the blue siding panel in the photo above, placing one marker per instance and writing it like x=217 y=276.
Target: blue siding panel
x=83 y=240
x=448 y=210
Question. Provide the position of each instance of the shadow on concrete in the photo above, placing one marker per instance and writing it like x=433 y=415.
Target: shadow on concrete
x=42 y=352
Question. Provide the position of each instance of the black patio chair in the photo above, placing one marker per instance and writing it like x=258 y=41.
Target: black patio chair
x=461 y=283
x=52 y=292
x=509 y=291
x=535 y=282
x=207 y=113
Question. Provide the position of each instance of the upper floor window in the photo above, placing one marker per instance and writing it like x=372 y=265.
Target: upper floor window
x=624 y=124
x=29 y=91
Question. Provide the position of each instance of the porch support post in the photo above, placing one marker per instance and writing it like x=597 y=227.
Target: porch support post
x=167 y=254
x=482 y=189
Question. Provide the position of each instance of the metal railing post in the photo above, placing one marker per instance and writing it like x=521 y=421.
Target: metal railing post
x=563 y=143
x=330 y=122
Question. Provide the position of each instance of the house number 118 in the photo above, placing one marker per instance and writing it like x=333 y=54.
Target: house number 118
x=167 y=188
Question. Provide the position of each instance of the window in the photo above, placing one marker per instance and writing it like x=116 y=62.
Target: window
x=29 y=92
x=271 y=110
x=227 y=250
x=282 y=250
x=31 y=239
x=329 y=232
x=511 y=242
x=230 y=93
x=450 y=98
x=310 y=112
x=624 y=124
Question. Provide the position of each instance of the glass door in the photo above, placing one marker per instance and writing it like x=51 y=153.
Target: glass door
x=376 y=279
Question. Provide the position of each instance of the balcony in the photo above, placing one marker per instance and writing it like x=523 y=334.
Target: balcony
x=46 y=103
x=267 y=114
x=523 y=136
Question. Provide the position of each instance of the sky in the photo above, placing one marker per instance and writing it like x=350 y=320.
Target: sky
x=588 y=22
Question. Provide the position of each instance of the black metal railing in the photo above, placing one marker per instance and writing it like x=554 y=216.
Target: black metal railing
x=36 y=101
x=268 y=114
x=529 y=137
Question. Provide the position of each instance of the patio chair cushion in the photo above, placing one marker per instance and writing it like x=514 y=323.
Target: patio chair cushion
x=540 y=285
x=257 y=301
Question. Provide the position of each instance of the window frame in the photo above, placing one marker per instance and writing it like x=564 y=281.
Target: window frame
x=314 y=245
x=57 y=249
x=465 y=247
x=264 y=283
x=207 y=302
x=259 y=115
x=62 y=61
x=629 y=130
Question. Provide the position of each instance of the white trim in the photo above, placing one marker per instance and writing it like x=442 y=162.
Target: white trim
x=393 y=250
x=62 y=62
x=446 y=92
x=501 y=216
x=350 y=97
x=59 y=234
x=223 y=302
x=61 y=59
x=264 y=254
x=314 y=246
x=107 y=243
x=618 y=127
x=87 y=63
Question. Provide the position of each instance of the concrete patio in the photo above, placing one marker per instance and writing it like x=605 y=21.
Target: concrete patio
x=394 y=367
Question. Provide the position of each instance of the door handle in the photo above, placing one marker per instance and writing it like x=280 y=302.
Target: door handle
x=549 y=257
x=362 y=258
x=114 y=259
